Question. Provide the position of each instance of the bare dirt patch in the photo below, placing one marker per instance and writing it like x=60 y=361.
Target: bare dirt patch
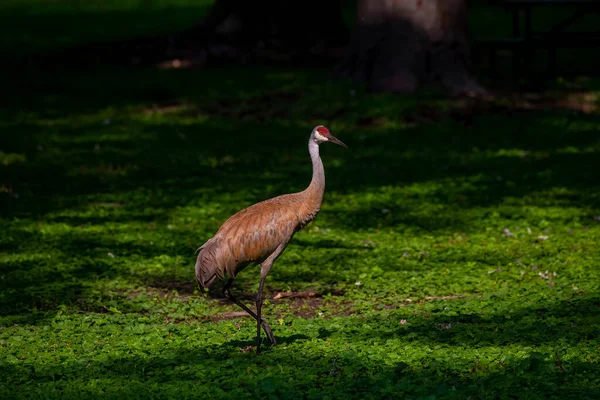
x=311 y=304
x=306 y=304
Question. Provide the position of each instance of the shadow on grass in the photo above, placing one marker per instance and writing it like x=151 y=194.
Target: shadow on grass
x=284 y=372
x=557 y=324
x=48 y=268
x=184 y=161
x=118 y=166
x=149 y=169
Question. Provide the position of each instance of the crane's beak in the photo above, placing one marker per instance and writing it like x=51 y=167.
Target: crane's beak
x=337 y=141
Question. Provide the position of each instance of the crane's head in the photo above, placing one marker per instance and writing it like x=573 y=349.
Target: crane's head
x=320 y=134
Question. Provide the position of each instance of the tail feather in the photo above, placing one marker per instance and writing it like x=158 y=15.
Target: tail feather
x=207 y=269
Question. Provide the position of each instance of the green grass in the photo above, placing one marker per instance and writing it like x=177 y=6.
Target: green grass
x=110 y=180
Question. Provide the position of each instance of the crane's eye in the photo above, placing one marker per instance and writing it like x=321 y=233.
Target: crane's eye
x=321 y=138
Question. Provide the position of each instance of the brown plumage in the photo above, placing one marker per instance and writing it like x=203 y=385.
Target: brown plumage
x=260 y=233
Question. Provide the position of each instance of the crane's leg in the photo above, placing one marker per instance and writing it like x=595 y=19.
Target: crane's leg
x=227 y=293
x=265 y=267
x=259 y=301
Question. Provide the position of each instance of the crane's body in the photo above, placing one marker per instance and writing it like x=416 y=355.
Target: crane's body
x=252 y=235
x=260 y=233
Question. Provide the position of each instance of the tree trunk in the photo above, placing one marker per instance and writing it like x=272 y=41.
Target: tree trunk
x=402 y=44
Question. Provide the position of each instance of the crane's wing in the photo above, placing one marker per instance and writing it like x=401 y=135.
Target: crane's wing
x=250 y=235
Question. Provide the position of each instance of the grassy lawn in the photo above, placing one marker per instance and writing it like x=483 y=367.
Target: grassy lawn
x=455 y=254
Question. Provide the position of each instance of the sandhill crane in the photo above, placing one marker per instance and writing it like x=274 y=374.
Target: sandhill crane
x=260 y=233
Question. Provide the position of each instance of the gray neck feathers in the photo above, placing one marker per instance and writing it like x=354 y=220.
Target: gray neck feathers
x=317 y=184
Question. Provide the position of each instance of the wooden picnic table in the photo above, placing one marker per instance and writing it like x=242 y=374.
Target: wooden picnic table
x=525 y=39
x=526 y=6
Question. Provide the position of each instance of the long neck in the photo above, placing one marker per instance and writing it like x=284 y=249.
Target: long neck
x=317 y=185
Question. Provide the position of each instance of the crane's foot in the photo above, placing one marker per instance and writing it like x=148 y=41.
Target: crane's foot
x=259 y=342
x=269 y=334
